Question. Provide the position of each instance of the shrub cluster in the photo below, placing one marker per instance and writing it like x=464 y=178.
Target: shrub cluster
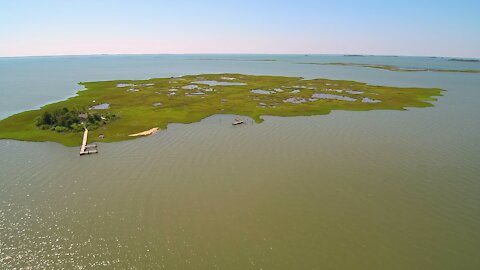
x=63 y=120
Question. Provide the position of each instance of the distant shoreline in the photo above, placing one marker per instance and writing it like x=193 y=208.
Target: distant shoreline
x=393 y=68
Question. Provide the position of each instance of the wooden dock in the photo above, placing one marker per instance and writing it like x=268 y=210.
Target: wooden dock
x=86 y=149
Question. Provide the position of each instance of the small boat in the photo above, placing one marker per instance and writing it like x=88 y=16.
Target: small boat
x=237 y=122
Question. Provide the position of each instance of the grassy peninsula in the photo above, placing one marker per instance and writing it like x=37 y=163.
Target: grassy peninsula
x=117 y=109
x=394 y=68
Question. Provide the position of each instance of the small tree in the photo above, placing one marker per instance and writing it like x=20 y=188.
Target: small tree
x=45 y=119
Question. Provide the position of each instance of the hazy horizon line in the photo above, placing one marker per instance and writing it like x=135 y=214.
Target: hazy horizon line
x=240 y=53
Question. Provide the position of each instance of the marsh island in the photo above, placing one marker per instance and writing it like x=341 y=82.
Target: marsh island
x=116 y=110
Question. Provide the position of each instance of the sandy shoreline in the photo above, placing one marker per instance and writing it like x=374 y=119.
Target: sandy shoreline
x=146 y=132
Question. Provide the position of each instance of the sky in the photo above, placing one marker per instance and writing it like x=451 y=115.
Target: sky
x=77 y=27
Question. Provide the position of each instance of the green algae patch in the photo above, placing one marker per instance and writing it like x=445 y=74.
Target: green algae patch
x=395 y=68
x=141 y=105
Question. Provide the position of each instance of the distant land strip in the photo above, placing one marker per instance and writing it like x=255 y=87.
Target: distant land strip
x=230 y=59
x=392 y=68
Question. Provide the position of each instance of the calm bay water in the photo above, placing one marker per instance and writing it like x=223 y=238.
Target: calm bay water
x=349 y=190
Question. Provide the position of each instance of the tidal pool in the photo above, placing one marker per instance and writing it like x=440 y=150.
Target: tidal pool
x=132 y=84
x=125 y=84
x=215 y=83
x=102 y=106
x=295 y=100
x=228 y=78
x=334 y=90
x=190 y=87
x=261 y=91
x=368 y=100
x=331 y=96
x=353 y=92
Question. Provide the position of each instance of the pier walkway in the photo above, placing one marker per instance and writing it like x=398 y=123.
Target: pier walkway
x=87 y=148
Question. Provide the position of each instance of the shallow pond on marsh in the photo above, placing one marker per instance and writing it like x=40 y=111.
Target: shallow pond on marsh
x=262 y=92
x=331 y=96
x=369 y=100
x=215 y=83
x=348 y=190
x=102 y=106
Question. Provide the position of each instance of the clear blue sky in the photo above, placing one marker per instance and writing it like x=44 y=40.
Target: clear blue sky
x=421 y=27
